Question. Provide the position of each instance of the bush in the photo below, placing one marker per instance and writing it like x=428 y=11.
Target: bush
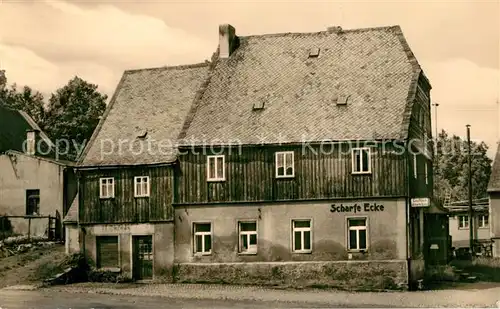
x=76 y=260
x=106 y=276
x=440 y=273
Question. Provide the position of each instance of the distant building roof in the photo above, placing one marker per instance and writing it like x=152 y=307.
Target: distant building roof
x=13 y=127
x=148 y=109
x=494 y=183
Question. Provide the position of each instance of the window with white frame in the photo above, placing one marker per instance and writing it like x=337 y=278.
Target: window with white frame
x=426 y=166
x=107 y=187
x=30 y=142
x=216 y=168
x=463 y=222
x=141 y=186
x=357 y=234
x=284 y=164
x=301 y=235
x=483 y=221
x=248 y=236
x=202 y=238
x=415 y=171
x=361 y=161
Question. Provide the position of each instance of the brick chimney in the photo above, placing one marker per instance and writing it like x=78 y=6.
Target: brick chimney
x=228 y=41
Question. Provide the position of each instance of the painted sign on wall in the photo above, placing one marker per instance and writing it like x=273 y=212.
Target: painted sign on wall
x=355 y=208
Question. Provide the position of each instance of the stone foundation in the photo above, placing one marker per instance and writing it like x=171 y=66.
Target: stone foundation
x=346 y=275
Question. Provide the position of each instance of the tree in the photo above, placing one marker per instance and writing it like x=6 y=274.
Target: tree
x=73 y=113
x=452 y=168
x=27 y=100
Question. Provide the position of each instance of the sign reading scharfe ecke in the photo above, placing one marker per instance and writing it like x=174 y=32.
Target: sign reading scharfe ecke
x=365 y=207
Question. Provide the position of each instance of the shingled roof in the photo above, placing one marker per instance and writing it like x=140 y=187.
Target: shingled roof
x=147 y=111
x=72 y=215
x=494 y=183
x=298 y=79
x=374 y=68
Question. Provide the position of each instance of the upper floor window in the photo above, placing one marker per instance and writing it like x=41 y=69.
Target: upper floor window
x=284 y=164
x=301 y=236
x=248 y=236
x=30 y=143
x=361 y=161
x=141 y=186
x=32 y=202
x=415 y=171
x=463 y=222
x=107 y=187
x=426 y=166
x=216 y=168
x=483 y=221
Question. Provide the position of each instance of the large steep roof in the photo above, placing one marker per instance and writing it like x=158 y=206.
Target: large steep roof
x=374 y=67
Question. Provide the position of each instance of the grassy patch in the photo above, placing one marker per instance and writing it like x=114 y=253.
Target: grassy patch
x=47 y=270
x=440 y=274
x=488 y=269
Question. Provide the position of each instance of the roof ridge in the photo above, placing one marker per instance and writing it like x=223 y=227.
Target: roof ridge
x=55 y=161
x=321 y=32
x=171 y=67
x=198 y=96
x=412 y=91
x=35 y=126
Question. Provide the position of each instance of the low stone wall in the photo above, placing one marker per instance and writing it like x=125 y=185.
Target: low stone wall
x=346 y=275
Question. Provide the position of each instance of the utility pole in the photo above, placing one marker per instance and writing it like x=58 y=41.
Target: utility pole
x=436 y=122
x=471 y=211
x=436 y=158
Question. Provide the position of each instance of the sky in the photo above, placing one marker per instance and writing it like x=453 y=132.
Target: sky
x=43 y=44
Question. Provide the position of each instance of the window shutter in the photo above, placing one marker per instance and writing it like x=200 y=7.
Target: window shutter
x=107 y=251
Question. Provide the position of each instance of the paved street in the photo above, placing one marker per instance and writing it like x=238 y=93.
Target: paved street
x=100 y=296
x=51 y=299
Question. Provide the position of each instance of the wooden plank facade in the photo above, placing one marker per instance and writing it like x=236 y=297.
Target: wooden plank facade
x=124 y=207
x=326 y=174
x=420 y=133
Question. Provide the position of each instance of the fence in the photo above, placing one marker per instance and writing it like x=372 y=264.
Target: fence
x=50 y=226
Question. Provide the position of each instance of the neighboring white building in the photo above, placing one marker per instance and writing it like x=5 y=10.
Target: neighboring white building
x=494 y=197
x=460 y=224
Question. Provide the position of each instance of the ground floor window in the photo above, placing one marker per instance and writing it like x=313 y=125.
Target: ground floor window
x=32 y=202
x=357 y=234
x=202 y=238
x=107 y=252
x=483 y=221
x=248 y=236
x=463 y=222
x=301 y=234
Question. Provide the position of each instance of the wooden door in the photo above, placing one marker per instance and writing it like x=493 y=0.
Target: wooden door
x=142 y=257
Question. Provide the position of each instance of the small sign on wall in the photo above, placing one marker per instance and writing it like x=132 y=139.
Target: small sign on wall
x=420 y=202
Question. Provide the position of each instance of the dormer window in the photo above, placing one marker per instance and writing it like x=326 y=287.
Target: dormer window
x=314 y=52
x=30 y=142
x=141 y=134
x=258 y=105
x=342 y=99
